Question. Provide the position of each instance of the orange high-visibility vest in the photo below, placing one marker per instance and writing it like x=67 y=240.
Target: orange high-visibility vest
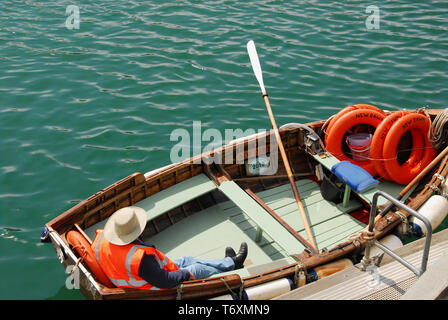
x=121 y=263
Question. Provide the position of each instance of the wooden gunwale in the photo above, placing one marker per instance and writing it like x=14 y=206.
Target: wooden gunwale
x=136 y=183
x=190 y=290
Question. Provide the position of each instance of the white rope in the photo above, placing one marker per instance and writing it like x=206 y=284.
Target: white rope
x=438 y=133
x=386 y=159
x=76 y=266
x=404 y=221
x=361 y=235
x=228 y=288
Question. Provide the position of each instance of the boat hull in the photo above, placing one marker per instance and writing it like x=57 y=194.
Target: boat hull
x=138 y=187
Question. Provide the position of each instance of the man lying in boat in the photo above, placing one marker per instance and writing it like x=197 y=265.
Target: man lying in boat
x=128 y=262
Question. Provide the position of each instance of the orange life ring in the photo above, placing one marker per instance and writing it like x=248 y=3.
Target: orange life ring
x=376 y=147
x=343 y=124
x=419 y=125
x=345 y=111
x=83 y=248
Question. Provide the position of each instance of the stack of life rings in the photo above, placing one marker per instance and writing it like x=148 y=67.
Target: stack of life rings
x=389 y=128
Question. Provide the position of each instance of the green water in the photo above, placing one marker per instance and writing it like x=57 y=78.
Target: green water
x=83 y=108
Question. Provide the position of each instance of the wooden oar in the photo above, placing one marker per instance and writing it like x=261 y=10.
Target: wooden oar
x=258 y=74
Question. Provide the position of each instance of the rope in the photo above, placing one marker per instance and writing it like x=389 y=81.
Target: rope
x=179 y=292
x=424 y=110
x=386 y=159
x=361 y=235
x=298 y=268
x=402 y=216
x=439 y=130
x=357 y=237
x=440 y=177
x=76 y=266
x=241 y=289
x=368 y=236
x=404 y=220
x=80 y=259
x=299 y=274
x=434 y=188
x=228 y=288
x=324 y=126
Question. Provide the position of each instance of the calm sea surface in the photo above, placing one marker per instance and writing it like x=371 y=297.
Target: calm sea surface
x=83 y=108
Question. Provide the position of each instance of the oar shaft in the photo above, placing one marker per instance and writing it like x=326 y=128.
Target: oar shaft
x=289 y=173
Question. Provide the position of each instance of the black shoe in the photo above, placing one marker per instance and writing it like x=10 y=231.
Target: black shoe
x=240 y=256
x=230 y=252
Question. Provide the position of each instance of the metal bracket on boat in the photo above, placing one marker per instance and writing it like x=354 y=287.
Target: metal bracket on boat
x=44 y=235
x=404 y=222
x=208 y=172
x=312 y=141
x=366 y=261
x=216 y=172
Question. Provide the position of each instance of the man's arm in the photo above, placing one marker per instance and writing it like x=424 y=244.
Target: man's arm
x=151 y=272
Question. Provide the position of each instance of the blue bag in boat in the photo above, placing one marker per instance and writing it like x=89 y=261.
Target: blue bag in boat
x=354 y=176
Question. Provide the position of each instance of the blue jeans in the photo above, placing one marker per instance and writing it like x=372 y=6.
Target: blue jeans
x=205 y=268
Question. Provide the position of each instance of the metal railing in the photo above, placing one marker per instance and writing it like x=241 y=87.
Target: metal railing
x=367 y=261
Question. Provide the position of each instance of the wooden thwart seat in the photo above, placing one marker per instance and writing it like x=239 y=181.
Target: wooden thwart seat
x=176 y=195
x=327 y=160
x=168 y=198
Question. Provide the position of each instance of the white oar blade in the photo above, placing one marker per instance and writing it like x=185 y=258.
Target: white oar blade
x=253 y=56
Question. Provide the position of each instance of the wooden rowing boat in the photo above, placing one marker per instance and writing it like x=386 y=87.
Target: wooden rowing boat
x=196 y=208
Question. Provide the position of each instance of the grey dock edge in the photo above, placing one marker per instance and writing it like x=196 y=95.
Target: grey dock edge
x=397 y=282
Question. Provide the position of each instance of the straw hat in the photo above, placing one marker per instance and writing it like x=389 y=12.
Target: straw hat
x=125 y=225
